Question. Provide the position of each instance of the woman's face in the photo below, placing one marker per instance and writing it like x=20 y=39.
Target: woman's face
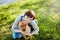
x=27 y=19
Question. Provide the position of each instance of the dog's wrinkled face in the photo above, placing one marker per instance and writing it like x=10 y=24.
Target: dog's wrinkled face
x=23 y=25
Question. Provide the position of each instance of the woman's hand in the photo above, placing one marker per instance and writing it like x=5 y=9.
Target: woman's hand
x=29 y=34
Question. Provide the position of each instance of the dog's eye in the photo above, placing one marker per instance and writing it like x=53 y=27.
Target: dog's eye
x=23 y=25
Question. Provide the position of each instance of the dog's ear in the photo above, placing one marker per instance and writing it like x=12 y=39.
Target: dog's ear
x=20 y=23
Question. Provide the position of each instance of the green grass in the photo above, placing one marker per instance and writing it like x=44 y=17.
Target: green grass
x=47 y=14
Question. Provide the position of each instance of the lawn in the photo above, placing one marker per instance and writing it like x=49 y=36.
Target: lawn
x=47 y=14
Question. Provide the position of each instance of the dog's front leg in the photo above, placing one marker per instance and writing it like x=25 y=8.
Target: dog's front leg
x=24 y=36
x=30 y=37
